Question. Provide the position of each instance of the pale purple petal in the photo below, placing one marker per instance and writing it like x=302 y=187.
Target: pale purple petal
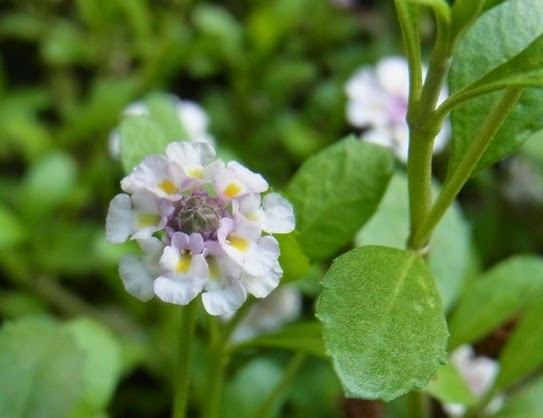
x=156 y=174
x=223 y=297
x=119 y=219
x=191 y=156
x=177 y=291
x=262 y=286
x=261 y=257
x=136 y=277
x=279 y=214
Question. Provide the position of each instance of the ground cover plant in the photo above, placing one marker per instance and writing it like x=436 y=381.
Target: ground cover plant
x=287 y=208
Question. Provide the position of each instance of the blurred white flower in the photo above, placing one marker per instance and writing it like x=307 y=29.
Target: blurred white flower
x=377 y=100
x=281 y=306
x=184 y=210
x=192 y=116
x=478 y=372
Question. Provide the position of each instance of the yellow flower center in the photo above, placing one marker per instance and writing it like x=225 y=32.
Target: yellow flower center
x=238 y=243
x=184 y=263
x=168 y=187
x=232 y=190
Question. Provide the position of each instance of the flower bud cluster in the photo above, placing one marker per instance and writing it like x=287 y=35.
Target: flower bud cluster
x=203 y=227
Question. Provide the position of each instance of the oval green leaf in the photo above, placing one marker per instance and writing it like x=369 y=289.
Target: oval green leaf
x=383 y=322
x=336 y=191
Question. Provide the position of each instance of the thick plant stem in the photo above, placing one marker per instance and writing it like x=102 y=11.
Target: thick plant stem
x=422 y=134
x=292 y=368
x=419 y=171
x=463 y=171
x=182 y=373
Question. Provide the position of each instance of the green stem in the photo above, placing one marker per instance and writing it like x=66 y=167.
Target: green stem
x=292 y=368
x=418 y=404
x=217 y=361
x=184 y=351
x=408 y=17
x=419 y=174
x=463 y=171
x=422 y=133
x=237 y=318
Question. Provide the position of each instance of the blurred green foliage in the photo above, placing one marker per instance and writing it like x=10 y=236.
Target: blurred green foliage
x=270 y=75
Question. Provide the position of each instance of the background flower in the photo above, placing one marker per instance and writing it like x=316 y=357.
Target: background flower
x=377 y=104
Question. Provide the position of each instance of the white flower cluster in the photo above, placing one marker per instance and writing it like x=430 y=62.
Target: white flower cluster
x=377 y=103
x=202 y=226
x=192 y=117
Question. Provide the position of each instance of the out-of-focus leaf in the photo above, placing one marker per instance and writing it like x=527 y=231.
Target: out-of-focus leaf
x=40 y=370
x=526 y=403
x=383 y=322
x=448 y=386
x=101 y=369
x=140 y=136
x=496 y=296
x=48 y=184
x=13 y=231
x=294 y=262
x=300 y=336
x=249 y=388
x=163 y=110
x=522 y=353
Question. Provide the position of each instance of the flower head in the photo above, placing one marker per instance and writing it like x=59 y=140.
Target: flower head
x=202 y=227
x=377 y=104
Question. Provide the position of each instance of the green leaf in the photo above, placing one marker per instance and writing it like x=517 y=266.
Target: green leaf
x=505 y=290
x=40 y=370
x=383 y=321
x=163 y=110
x=336 y=191
x=522 y=70
x=11 y=226
x=48 y=184
x=489 y=4
x=292 y=259
x=522 y=353
x=299 y=336
x=448 y=386
x=101 y=369
x=526 y=403
x=140 y=136
x=464 y=13
x=249 y=388
x=449 y=259
x=489 y=43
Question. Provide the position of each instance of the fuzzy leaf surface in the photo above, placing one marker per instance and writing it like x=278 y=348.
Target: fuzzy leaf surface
x=383 y=322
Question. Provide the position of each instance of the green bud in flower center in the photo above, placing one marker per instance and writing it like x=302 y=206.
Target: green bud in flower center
x=200 y=214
